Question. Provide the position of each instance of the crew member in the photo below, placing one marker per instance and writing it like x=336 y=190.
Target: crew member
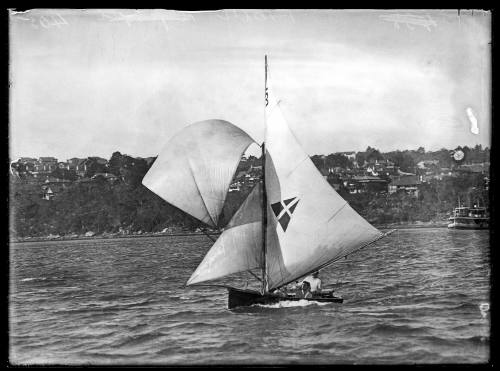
x=315 y=283
x=305 y=291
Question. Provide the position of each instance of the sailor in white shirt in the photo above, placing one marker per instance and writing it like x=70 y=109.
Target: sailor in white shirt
x=315 y=282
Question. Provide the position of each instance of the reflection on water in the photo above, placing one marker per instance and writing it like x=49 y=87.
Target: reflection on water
x=418 y=296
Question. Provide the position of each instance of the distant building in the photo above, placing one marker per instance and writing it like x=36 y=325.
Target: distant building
x=351 y=155
x=72 y=163
x=27 y=160
x=47 y=193
x=52 y=186
x=45 y=165
x=234 y=187
x=367 y=183
x=81 y=167
x=481 y=168
x=409 y=184
x=427 y=164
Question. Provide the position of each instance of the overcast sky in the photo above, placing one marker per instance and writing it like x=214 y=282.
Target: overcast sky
x=87 y=83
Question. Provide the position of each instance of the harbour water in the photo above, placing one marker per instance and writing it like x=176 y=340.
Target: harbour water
x=418 y=296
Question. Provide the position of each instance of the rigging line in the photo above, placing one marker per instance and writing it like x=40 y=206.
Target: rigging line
x=253 y=274
x=206 y=234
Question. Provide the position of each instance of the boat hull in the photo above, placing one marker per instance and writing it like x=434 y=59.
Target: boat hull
x=244 y=298
x=468 y=223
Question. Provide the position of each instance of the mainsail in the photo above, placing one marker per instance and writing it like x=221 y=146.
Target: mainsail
x=195 y=169
x=309 y=224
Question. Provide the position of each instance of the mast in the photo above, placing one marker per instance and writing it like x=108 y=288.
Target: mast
x=265 y=285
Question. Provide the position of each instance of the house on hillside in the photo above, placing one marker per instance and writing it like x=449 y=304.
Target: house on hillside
x=52 y=186
x=45 y=165
x=28 y=162
x=25 y=160
x=410 y=184
x=481 y=168
x=235 y=187
x=426 y=164
x=81 y=167
x=47 y=193
x=351 y=155
x=72 y=163
x=367 y=183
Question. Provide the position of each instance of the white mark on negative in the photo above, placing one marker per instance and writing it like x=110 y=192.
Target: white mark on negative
x=474 y=128
x=484 y=308
x=409 y=20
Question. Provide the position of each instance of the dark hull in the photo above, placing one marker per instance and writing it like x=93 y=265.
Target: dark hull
x=244 y=298
x=469 y=222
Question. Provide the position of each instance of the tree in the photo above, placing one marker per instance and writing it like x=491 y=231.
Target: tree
x=403 y=160
x=114 y=163
x=337 y=160
x=360 y=158
x=93 y=167
x=64 y=174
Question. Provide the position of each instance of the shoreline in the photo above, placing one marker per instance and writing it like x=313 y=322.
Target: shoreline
x=187 y=233
x=108 y=237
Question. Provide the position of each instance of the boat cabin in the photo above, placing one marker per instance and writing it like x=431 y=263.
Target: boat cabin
x=473 y=212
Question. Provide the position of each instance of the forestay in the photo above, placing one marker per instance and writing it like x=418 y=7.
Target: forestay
x=239 y=247
x=195 y=169
x=309 y=224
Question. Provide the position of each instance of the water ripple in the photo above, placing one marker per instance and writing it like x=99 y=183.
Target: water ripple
x=419 y=296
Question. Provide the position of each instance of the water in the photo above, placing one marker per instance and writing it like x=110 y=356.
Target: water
x=418 y=296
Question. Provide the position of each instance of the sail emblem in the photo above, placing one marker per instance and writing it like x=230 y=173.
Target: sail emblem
x=284 y=210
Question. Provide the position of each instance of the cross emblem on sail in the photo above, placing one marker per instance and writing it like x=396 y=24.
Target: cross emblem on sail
x=284 y=210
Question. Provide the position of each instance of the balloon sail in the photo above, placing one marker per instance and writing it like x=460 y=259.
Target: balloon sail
x=195 y=169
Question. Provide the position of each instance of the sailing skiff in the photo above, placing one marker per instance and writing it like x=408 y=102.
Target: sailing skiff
x=291 y=224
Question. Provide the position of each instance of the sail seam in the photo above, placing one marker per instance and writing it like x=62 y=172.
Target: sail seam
x=201 y=196
x=338 y=211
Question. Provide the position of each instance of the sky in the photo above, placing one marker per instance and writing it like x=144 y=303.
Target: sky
x=91 y=82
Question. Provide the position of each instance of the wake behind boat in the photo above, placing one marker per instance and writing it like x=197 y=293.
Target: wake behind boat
x=291 y=224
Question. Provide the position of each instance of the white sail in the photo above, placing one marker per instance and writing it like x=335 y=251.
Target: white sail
x=309 y=224
x=194 y=170
x=239 y=247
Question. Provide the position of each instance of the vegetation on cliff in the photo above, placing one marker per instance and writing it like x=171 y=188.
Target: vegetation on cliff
x=126 y=206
